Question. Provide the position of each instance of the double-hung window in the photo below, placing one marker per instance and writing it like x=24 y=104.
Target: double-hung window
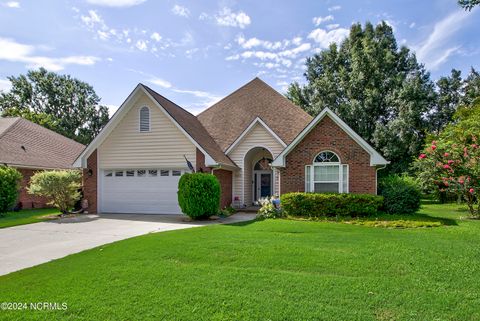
x=326 y=174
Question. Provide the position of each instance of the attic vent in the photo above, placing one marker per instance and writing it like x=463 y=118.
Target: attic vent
x=144 y=119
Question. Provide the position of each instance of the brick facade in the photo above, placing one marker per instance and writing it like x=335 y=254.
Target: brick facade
x=200 y=163
x=225 y=179
x=89 y=183
x=28 y=200
x=327 y=135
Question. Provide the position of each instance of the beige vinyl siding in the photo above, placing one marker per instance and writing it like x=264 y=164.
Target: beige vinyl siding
x=242 y=179
x=163 y=146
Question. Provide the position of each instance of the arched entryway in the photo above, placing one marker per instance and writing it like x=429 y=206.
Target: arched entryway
x=258 y=175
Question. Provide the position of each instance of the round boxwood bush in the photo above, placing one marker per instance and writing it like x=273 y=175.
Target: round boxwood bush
x=199 y=195
x=401 y=194
x=9 y=188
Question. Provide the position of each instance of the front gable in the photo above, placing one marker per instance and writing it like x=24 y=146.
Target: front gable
x=341 y=130
x=163 y=146
x=168 y=130
x=257 y=134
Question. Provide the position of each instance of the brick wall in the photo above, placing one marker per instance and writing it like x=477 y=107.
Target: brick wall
x=327 y=135
x=224 y=176
x=28 y=200
x=225 y=179
x=89 y=183
x=200 y=163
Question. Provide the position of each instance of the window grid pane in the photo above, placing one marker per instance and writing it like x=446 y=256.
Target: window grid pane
x=141 y=173
x=326 y=187
x=130 y=173
x=328 y=173
x=152 y=172
x=345 y=178
x=307 y=179
x=164 y=172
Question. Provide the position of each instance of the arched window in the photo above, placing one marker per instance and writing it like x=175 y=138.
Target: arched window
x=327 y=157
x=144 y=119
x=326 y=174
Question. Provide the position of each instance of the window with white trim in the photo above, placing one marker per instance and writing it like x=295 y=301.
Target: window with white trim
x=326 y=174
x=144 y=119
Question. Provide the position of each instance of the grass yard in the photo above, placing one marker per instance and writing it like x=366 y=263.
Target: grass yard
x=26 y=216
x=266 y=270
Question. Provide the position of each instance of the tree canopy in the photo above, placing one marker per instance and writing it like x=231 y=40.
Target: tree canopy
x=377 y=88
x=468 y=4
x=59 y=102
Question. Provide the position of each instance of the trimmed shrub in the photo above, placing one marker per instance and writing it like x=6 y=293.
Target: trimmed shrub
x=401 y=194
x=61 y=188
x=328 y=205
x=9 y=188
x=199 y=195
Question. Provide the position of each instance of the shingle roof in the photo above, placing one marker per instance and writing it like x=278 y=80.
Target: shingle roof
x=227 y=119
x=24 y=143
x=193 y=127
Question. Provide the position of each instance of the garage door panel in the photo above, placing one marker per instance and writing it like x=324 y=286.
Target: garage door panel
x=145 y=195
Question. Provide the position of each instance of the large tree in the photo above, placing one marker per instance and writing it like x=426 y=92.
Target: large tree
x=449 y=90
x=377 y=88
x=72 y=105
x=468 y=4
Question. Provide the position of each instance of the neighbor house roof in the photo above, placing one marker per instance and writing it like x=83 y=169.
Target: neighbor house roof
x=26 y=144
x=193 y=127
x=231 y=116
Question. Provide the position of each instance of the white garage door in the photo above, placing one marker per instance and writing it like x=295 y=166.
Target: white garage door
x=144 y=191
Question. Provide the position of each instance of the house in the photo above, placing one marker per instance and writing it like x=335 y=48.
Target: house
x=30 y=148
x=255 y=141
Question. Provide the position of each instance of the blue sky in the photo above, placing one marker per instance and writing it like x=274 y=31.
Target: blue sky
x=196 y=52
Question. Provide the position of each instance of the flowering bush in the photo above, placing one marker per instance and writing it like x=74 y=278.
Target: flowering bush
x=451 y=163
x=268 y=210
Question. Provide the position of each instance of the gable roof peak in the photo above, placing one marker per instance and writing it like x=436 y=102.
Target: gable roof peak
x=228 y=118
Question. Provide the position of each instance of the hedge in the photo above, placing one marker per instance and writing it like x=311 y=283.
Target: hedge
x=401 y=194
x=9 y=188
x=199 y=195
x=327 y=205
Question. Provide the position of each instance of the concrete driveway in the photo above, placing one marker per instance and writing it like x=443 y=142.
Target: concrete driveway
x=28 y=245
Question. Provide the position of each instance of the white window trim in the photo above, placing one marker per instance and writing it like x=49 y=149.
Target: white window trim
x=140 y=120
x=311 y=168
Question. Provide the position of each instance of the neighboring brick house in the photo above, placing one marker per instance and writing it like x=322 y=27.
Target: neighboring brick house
x=255 y=141
x=31 y=148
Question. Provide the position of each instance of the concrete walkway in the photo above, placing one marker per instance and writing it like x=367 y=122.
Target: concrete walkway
x=28 y=245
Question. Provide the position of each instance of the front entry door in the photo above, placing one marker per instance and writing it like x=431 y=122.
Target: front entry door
x=263 y=184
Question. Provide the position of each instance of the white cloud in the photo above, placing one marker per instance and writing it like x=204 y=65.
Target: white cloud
x=325 y=38
x=156 y=36
x=17 y=52
x=12 y=4
x=332 y=26
x=412 y=25
x=438 y=47
x=232 y=19
x=116 y=3
x=334 y=8
x=141 y=45
x=319 y=20
x=111 y=109
x=159 y=82
x=270 y=45
x=95 y=23
x=180 y=11
x=5 y=85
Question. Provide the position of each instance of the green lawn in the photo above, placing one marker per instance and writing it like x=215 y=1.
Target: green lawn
x=266 y=270
x=26 y=216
